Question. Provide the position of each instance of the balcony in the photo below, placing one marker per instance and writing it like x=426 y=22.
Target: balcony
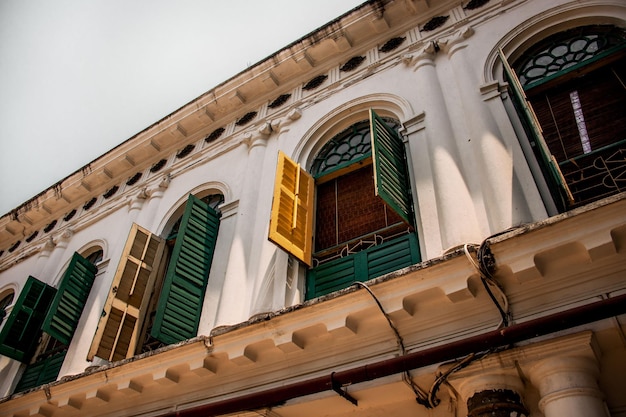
x=597 y=174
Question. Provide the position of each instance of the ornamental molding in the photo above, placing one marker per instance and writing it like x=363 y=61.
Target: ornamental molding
x=431 y=303
x=456 y=41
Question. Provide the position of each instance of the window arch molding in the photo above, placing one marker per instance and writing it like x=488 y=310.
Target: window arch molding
x=357 y=212
x=92 y=247
x=9 y=288
x=85 y=251
x=545 y=24
x=568 y=126
x=178 y=207
x=340 y=118
x=7 y=291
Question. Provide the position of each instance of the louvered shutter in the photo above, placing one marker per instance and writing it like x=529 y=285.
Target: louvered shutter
x=362 y=266
x=20 y=334
x=391 y=179
x=41 y=372
x=535 y=132
x=180 y=303
x=124 y=311
x=291 y=222
x=67 y=306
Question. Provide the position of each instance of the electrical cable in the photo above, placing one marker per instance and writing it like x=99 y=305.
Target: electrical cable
x=484 y=264
x=488 y=282
x=443 y=378
x=487 y=263
x=421 y=396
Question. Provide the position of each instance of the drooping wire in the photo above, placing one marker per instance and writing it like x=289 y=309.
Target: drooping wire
x=421 y=396
x=442 y=378
x=484 y=265
x=488 y=281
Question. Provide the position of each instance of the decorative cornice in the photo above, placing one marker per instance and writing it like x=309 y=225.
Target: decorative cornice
x=432 y=304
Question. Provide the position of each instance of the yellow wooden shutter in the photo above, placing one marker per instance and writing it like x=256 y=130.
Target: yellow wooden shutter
x=126 y=305
x=291 y=222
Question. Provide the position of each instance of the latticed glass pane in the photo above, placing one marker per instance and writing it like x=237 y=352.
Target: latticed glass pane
x=349 y=146
x=566 y=49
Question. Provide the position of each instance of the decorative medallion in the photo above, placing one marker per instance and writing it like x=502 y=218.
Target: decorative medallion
x=50 y=226
x=352 y=64
x=158 y=166
x=133 y=180
x=185 y=151
x=111 y=191
x=434 y=23
x=214 y=135
x=89 y=204
x=15 y=246
x=246 y=118
x=392 y=44
x=32 y=237
x=315 y=82
x=69 y=215
x=475 y=4
x=279 y=101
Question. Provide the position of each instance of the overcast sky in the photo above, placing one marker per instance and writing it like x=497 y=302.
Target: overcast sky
x=78 y=77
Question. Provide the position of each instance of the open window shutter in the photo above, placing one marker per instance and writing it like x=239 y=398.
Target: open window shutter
x=67 y=306
x=548 y=161
x=20 y=334
x=125 y=308
x=41 y=372
x=180 y=303
x=291 y=222
x=391 y=180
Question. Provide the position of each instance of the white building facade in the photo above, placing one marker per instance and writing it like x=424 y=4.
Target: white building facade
x=418 y=209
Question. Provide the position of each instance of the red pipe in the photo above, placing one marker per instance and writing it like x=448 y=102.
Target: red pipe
x=497 y=338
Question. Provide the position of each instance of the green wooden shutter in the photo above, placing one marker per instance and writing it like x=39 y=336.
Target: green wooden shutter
x=20 y=334
x=67 y=306
x=41 y=372
x=549 y=163
x=391 y=179
x=362 y=266
x=180 y=303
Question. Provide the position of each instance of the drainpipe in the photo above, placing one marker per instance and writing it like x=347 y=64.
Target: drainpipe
x=497 y=338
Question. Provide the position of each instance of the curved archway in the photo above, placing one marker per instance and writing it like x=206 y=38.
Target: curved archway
x=572 y=67
x=340 y=118
x=7 y=298
x=534 y=30
x=357 y=220
x=94 y=251
x=208 y=191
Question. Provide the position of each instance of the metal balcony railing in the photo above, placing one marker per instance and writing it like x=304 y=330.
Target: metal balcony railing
x=597 y=174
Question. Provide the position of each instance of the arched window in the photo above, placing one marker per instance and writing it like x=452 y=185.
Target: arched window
x=95 y=256
x=575 y=82
x=156 y=296
x=164 y=313
x=5 y=301
x=43 y=322
x=357 y=203
x=348 y=214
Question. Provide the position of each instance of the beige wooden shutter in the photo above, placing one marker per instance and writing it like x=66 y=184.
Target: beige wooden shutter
x=126 y=305
x=291 y=222
x=547 y=159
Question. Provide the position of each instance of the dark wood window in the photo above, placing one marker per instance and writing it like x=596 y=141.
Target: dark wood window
x=363 y=209
x=576 y=84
